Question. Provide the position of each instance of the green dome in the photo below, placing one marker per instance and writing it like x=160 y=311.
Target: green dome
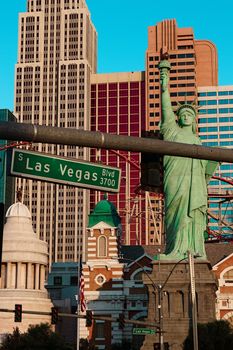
x=104 y=211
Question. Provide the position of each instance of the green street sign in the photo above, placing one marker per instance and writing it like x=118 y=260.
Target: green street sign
x=51 y=168
x=143 y=331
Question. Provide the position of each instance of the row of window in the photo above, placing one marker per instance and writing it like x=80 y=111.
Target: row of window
x=215 y=102
x=114 y=86
x=219 y=144
x=215 y=110
x=183 y=55
x=216 y=120
x=215 y=93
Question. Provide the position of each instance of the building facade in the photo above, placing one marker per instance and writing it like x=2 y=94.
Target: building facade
x=215 y=129
x=224 y=272
x=23 y=271
x=62 y=286
x=118 y=107
x=193 y=64
x=56 y=56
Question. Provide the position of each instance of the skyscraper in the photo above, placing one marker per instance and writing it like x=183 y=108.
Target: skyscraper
x=56 y=56
x=193 y=64
x=118 y=107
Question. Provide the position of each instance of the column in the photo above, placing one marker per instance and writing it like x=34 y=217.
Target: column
x=18 y=276
x=29 y=276
x=37 y=276
x=4 y=275
x=8 y=275
x=42 y=277
x=172 y=304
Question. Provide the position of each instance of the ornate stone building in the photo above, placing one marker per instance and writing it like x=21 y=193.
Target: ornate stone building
x=223 y=270
x=112 y=286
x=24 y=264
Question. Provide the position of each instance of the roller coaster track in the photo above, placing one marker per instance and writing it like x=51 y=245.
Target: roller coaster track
x=224 y=196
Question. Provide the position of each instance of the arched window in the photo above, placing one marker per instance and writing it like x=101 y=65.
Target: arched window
x=228 y=276
x=102 y=246
x=138 y=276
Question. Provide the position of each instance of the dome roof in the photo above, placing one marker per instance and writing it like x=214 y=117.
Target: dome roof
x=18 y=210
x=105 y=206
x=104 y=211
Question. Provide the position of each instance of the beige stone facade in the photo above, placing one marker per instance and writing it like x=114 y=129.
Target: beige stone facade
x=56 y=56
x=24 y=266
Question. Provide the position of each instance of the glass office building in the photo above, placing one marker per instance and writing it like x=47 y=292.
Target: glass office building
x=215 y=126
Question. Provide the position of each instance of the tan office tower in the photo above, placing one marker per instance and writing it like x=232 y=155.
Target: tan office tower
x=193 y=64
x=56 y=56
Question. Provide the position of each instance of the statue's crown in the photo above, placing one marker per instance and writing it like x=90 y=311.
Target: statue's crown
x=191 y=106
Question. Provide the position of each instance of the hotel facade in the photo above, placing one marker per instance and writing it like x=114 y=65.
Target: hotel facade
x=56 y=57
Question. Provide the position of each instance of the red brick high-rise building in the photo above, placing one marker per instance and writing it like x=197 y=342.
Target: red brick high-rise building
x=118 y=107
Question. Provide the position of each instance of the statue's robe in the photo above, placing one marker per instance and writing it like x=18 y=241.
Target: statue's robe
x=185 y=191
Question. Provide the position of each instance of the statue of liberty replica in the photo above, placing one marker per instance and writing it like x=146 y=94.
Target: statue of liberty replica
x=185 y=179
x=185 y=190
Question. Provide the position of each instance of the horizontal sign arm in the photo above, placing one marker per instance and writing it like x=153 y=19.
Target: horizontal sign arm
x=96 y=139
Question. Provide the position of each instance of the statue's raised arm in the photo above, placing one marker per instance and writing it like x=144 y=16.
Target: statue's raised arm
x=167 y=112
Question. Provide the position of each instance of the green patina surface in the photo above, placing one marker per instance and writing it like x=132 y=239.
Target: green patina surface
x=185 y=180
x=104 y=211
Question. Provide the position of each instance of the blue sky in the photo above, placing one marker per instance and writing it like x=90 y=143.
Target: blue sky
x=122 y=34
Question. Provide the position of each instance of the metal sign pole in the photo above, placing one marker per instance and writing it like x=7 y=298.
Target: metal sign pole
x=193 y=298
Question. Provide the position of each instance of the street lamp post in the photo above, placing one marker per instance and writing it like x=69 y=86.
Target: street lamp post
x=194 y=301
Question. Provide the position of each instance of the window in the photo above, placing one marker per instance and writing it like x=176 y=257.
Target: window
x=102 y=246
x=211 y=102
x=100 y=279
x=228 y=276
x=202 y=103
x=57 y=280
x=74 y=280
x=222 y=93
x=99 y=329
x=211 y=111
x=223 y=110
x=223 y=102
x=138 y=276
x=212 y=93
